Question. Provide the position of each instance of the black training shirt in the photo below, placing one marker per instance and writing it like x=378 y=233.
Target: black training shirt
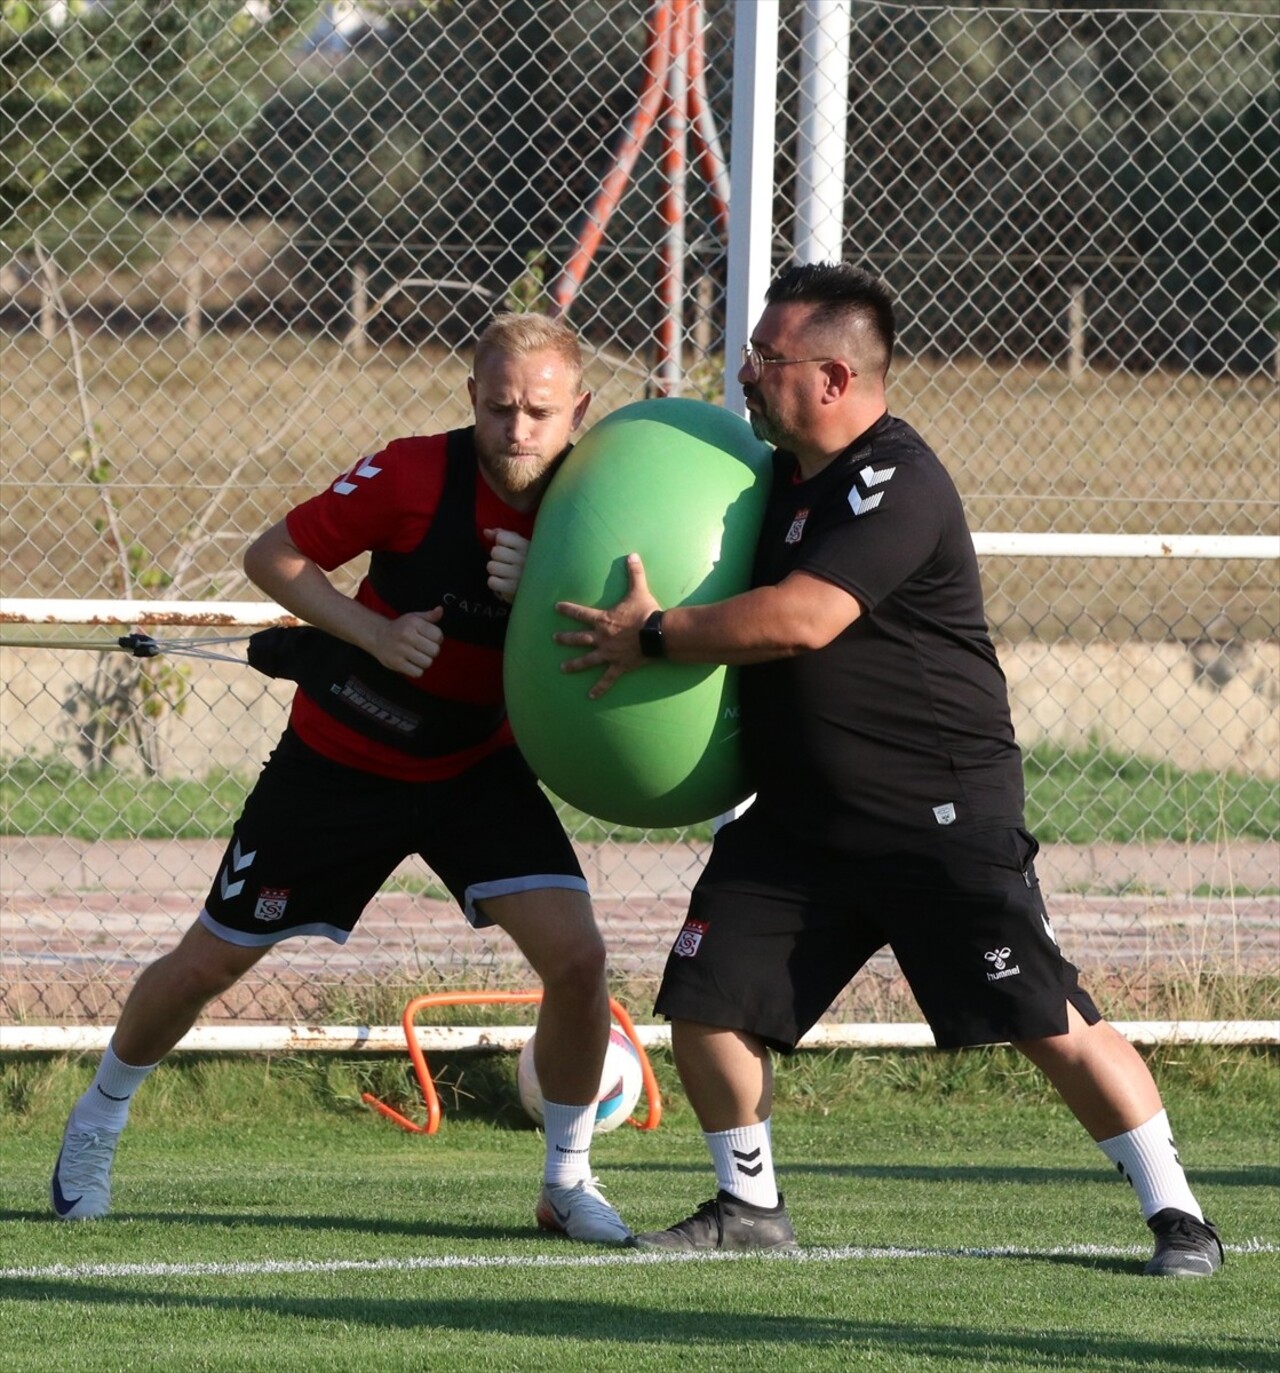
x=898 y=730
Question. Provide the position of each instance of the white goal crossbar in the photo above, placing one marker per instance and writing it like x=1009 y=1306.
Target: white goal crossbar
x=382 y=1039
x=234 y=614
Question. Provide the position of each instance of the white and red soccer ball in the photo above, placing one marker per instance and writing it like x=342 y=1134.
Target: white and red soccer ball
x=621 y=1081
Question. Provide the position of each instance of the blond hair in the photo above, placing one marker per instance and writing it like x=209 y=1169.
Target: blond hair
x=517 y=335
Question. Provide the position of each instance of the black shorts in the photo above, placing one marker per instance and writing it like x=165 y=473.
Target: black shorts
x=316 y=840
x=776 y=931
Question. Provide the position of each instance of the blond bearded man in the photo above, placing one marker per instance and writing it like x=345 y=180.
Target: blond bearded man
x=398 y=743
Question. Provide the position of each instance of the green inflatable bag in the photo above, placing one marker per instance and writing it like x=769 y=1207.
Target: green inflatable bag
x=684 y=484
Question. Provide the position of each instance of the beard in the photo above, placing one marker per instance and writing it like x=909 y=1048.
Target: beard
x=765 y=430
x=517 y=474
x=761 y=427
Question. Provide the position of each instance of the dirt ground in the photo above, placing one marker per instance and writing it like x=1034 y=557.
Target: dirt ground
x=80 y=920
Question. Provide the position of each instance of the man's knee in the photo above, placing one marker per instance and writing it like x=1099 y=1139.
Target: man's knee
x=577 y=963
x=556 y=931
x=572 y=957
x=203 y=965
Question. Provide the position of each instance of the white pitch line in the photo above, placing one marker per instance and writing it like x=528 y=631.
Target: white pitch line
x=407 y=1265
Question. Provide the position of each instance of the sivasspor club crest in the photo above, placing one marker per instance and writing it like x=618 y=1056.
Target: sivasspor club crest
x=271 y=903
x=797 y=527
x=689 y=939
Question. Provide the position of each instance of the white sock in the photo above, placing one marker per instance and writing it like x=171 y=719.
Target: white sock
x=568 y=1130
x=744 y=1163
x=1148 y=1160
x=105 y=1106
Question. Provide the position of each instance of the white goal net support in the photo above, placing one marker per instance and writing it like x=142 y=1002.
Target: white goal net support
x=248 y=243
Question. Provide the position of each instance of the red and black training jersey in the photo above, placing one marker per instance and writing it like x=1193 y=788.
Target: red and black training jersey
x=899 y=729
x=419 y=508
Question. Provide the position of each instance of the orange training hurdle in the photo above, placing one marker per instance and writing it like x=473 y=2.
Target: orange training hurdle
x=420 y=1003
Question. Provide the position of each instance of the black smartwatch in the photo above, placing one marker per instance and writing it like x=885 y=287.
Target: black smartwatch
x=651 y=642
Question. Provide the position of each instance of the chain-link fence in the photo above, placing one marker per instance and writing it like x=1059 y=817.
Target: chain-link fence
x=244 y=244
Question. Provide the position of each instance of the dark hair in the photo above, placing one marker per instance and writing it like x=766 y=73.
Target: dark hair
x=839 y=292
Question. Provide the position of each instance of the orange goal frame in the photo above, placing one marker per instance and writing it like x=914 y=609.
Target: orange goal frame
x=432 y=1099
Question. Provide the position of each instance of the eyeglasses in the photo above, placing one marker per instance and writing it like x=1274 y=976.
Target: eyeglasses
x=755 y=364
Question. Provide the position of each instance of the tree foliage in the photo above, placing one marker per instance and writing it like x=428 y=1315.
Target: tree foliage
x=102 y=102
x=452 y=145
x=1002 y=159
x=999 y=156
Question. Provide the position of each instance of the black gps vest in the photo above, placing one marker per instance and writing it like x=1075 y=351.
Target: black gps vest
x=447 y=568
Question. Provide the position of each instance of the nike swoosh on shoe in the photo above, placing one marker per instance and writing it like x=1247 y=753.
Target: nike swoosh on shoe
x=61 y=1202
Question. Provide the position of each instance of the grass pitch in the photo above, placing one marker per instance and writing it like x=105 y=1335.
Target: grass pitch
x=953 y=1217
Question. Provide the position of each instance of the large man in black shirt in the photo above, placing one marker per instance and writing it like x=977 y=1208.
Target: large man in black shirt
x=889 y=802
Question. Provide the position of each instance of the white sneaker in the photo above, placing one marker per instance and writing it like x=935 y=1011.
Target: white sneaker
x=581 y=1212
x=81 y=1185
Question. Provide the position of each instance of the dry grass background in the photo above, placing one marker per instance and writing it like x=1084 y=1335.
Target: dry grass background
x=205 y=443
x=224 y=434
x=208 y=443
x=244 y=424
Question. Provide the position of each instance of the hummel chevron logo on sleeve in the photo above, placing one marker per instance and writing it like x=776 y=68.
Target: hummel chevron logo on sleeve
x=859 y=503
x=344 y=486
